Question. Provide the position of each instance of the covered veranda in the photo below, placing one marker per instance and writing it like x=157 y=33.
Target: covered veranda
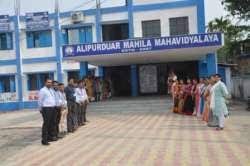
x=134 y=53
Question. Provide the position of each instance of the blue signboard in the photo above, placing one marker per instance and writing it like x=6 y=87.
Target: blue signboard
x=38 y=20
x=141 y=45
x=4 y=23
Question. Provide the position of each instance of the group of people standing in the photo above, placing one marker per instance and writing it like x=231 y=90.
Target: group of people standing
x=98 y=89
x=205 y=98
x=63 y=109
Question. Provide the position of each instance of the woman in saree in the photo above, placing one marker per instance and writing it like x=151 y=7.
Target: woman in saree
x=181 y=96
x=88 y=85
x=171 y=79
x=175 y=93
x=194 y=86
x=207 y=96
x=202 y=91
x=188 y=107
x=198 y=98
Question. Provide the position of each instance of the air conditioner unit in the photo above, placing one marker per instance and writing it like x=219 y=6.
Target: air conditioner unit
x=77 y=17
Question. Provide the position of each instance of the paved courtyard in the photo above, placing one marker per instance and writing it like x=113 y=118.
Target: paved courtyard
x=127 y=132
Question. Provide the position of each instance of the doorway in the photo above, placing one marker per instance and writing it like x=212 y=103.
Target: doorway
x=120 y=80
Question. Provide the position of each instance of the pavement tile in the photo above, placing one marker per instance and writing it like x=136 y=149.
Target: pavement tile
x=129 y=132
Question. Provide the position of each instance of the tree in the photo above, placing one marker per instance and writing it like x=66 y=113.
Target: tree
x=219 y=25
x=233 y=34
x=238 y=8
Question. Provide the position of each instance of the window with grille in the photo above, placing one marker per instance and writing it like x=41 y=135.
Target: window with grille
x=38 y=39
x=7 y=84
x=179 y=26
x=37 y=80
x=6 y=41
x=151 y=28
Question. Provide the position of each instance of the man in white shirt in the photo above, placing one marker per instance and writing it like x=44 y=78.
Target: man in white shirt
x=82 y=101
x=47 y=103
x=57 y=112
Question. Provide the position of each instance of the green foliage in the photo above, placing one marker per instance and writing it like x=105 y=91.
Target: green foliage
x=238 y=8
x=232 y=35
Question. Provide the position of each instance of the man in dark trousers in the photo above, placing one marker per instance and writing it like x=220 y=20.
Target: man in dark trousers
x=47 y=103
x=71 y=101
x=82 y=101
x=57 y=114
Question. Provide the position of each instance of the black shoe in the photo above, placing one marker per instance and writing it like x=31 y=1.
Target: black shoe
x=45 y=143
x=219 y=128
x=212 y=125
x=52 y=139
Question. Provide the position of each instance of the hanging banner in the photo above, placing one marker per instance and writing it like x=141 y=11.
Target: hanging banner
x=7 y=97
x=36 y=21
x=4 y=23
x=148 y=79
x=144 y=44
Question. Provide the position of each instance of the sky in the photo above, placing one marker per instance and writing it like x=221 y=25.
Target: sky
x=213 y=8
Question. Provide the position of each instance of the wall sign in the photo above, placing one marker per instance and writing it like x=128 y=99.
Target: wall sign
x=4 y=23
x=38 y=20
x=140 y=45
x=6 y=97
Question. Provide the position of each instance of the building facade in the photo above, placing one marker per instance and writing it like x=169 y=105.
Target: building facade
x=30 y=53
